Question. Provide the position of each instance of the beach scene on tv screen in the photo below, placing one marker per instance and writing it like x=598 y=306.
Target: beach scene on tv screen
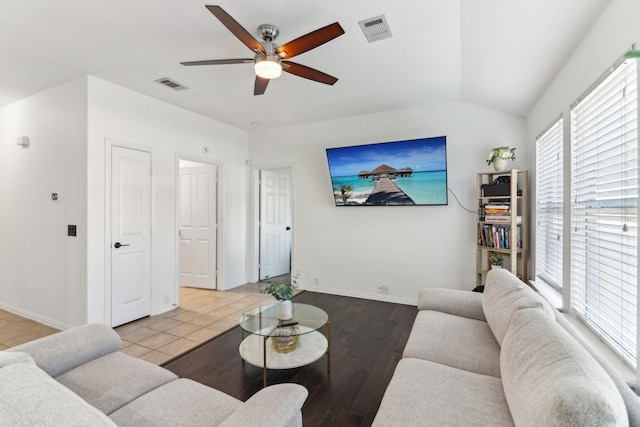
x=399 y=173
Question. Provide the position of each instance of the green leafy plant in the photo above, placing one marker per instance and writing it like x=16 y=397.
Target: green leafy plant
x=282 y=291
x=496 y=258
x=501 y=153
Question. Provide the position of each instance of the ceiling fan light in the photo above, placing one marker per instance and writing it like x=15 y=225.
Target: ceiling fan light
x=268 y=66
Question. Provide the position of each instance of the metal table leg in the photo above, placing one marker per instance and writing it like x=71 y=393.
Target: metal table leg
x=328 y=346
x=264 y=361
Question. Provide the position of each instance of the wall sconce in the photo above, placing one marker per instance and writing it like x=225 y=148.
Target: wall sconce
x=24 y=141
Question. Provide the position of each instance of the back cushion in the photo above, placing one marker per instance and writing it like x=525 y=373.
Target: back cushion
x=504 y=294
x=549 y=379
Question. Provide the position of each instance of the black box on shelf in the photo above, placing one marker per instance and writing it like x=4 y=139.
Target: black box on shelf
x=496 y=189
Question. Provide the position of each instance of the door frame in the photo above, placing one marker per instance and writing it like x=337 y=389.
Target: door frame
x=108 y=289
x=254 y=245
x=219 y=215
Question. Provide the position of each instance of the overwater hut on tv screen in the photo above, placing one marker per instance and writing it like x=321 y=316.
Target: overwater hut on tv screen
x=398 y=173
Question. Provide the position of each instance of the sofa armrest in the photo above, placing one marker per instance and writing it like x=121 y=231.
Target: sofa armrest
x=58 y=353
x=275 y=406
x=452 y=301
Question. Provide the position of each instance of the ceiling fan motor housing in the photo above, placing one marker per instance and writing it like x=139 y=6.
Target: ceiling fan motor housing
x=268 y=32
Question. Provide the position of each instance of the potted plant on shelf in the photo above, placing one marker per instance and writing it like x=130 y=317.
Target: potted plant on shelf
x=283 y=292
x=499 y=156
x=496 y=260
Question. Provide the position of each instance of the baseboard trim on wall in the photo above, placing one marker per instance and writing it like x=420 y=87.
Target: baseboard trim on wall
x=35 y=317
x=363 y=295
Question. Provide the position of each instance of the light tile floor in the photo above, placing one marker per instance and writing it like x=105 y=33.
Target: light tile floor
x=202 y=315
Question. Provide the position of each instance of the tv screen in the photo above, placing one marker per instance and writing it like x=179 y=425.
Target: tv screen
x=399 y=173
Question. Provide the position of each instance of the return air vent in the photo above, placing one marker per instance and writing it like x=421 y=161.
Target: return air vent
x=171 y=83
x=375 y=29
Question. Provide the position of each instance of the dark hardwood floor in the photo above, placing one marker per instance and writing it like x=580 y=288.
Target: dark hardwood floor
x=367 y=339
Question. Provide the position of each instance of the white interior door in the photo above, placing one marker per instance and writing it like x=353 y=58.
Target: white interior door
x=198 y=226
x=130 y=235
x=275 y=223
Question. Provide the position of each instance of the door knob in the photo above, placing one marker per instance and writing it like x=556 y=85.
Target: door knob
x=118 y=244
x=288 y=228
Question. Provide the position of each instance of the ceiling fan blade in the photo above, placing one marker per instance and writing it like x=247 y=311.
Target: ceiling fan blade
x=260 y=85
x=238 y=30
x=310 y=41
x=218 y=62
x=308 y=73
x=632 y=54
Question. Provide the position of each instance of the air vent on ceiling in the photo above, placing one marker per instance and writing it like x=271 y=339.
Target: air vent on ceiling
x=171 y=83
x=375 y=29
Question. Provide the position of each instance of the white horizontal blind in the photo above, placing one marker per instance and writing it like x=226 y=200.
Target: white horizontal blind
x=549 y=187
x=604 y=209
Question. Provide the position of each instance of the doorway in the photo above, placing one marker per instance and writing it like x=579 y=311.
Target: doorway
x=275 y=213
x=198 y=224
x=130 y=235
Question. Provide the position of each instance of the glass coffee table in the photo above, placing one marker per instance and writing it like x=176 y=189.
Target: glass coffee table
x=272 y=343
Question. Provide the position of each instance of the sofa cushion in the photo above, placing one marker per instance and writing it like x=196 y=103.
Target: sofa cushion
x=30 y=397
x=180 y=402
x=278 y=405
x=426 y=393
x=61 y=352
x=112 y=381
x=10 y=357
x=551 y=380
x=504 y=294
x=455 y=341
x=452 y=301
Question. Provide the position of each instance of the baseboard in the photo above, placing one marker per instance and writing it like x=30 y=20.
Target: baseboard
x=36 y=317
x=363 y=295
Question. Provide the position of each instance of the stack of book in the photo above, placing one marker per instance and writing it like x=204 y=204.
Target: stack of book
x=498 y=212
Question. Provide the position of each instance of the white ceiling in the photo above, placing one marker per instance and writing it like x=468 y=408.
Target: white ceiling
x=496 y=53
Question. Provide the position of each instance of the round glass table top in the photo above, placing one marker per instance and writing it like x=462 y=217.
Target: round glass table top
x=264 y=320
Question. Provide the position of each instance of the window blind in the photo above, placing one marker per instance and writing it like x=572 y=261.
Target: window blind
x=604 y=217
x=549 y=204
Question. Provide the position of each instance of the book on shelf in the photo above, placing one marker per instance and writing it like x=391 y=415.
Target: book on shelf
x=501 y=218
x=496 y=211
x=497 y=236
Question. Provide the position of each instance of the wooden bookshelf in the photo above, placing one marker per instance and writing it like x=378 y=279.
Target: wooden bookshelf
x=503 y=222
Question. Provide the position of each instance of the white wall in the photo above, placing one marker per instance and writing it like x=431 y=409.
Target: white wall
x=612 y=35
x=116 y=113
x=42 y=271
x=353 y=250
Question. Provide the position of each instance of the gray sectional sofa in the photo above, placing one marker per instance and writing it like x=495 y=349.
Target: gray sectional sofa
x=79 y=377
x=501 y=358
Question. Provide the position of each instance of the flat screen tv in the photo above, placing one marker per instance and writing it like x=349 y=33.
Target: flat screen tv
x=398 y=173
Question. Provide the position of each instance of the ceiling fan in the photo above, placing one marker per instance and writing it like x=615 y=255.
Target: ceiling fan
x=269 y=59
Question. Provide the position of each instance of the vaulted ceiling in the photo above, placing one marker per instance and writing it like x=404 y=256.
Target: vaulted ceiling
x=496 y=53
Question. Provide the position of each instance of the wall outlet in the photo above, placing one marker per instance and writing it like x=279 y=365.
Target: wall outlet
x=166 y=299
x=385 y=289
x=380 y=289
x=316 y=282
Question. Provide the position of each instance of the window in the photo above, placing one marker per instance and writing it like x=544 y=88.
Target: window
x=604 y=195
x=549 y=206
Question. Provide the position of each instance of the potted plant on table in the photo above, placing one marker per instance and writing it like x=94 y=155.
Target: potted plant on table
x=499 y=156
x=283 y=292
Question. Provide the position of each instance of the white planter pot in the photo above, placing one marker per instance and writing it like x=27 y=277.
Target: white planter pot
x=284 y=310
x=499 y=164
